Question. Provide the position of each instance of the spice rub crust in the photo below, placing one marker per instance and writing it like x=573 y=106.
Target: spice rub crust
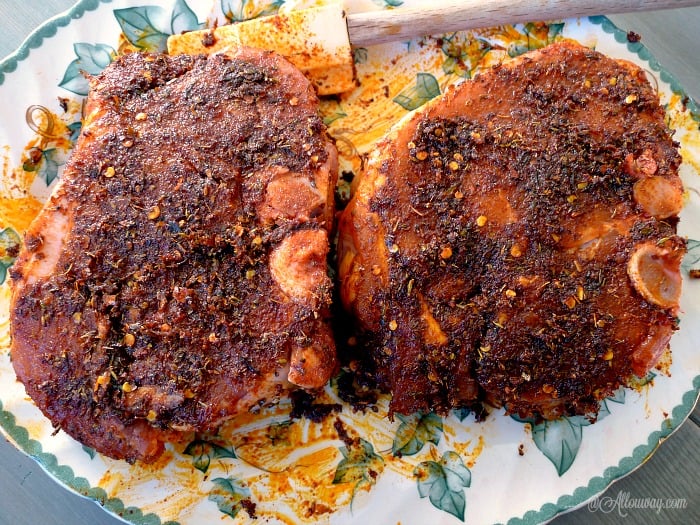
x=178 y=273
x=515 y=241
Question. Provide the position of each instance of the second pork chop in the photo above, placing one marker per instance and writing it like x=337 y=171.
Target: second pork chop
x=515 y=240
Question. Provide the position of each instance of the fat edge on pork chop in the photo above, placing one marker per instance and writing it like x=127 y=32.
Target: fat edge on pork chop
x=515 y=240
x=178 y=273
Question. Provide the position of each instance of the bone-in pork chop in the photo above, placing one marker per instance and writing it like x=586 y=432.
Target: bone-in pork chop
x=178 y=274
x=515 y=240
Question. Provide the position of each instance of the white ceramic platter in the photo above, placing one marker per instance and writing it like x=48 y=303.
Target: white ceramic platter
x=414 y=470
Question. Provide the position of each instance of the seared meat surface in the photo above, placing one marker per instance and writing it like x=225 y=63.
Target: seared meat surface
x=178 y=273
x=515 y=241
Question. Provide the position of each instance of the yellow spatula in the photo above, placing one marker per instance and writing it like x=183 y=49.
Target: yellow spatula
x=318 y=40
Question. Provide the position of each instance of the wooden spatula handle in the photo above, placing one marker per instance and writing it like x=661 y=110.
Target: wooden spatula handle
x=442 y=16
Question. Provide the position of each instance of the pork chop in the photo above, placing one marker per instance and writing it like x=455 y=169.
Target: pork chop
x=177 y=275
x=515 y=240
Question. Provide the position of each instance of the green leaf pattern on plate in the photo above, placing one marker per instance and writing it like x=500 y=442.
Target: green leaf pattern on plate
x=9 y=248
x=425 y=89
x=618 y=397
x=692 y=258
x=229 y=494
x=560 y=440
x=203 y=452
x=74 y=128
x=183 y=18
x=464 y=54
x=536 y=36
x=444 y=482
x=91 y=58
x=143 y=27
x=461 y=413
x=388 y=3
x=51 y=149
x=45 y=162
x=148 y=27
x=240 y=10
x=415 y=431
x=360 y=464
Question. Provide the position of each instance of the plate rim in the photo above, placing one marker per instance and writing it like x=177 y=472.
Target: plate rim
x=47 y=29
x=65 y=475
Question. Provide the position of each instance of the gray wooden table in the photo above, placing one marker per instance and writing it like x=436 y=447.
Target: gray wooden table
x=29 y=497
